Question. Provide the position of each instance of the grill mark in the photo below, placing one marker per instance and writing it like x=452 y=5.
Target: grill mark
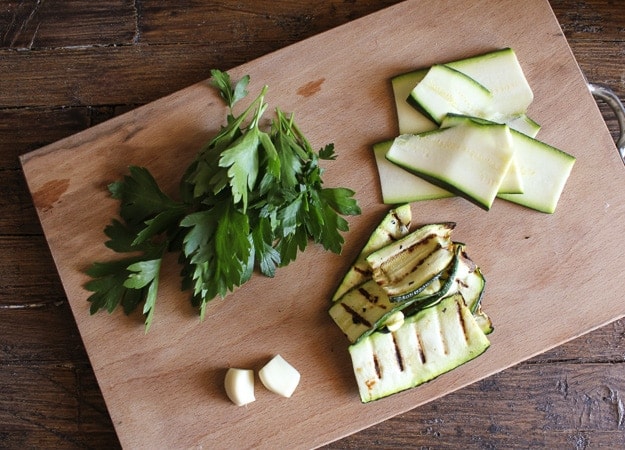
x=370 y=297
x=462 y=322
x=361 y=271
x=468 y=261
x=423 y=260
x=388 y=279
x=356 y=318
x=440 y=332
x=402 y=227
x=422 y=358
x=421 y=242
x=400 y=359
x=376 y=364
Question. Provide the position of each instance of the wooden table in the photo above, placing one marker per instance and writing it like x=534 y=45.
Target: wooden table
x=65 y=66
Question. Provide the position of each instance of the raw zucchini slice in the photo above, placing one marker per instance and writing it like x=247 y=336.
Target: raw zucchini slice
x=544 y=169
x=428 y=344
x=409 y=119
x=500 y=72
x=400 y=186
x=393 y=226
x=512 y=182
x=444 y=90
x=524 y=124
x=470 y=160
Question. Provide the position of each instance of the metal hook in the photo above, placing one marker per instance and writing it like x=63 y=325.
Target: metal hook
x=607 y=94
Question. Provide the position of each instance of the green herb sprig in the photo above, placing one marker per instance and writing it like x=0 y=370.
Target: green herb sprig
x=252 y=198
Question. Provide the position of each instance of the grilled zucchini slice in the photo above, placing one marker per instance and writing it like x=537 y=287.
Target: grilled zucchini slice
x=428 y=344
x=394 y=225
x=407 y=266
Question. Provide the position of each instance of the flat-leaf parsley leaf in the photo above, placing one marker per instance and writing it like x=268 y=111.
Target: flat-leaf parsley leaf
x=251 y=199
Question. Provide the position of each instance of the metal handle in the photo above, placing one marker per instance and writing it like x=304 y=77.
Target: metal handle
x=607 y=94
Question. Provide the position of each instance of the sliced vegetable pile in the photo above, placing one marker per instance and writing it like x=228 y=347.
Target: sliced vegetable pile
x=410 y=306
x=251 y=198
x=464 y=130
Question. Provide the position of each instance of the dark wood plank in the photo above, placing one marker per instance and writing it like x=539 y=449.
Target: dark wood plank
x=27 y=271
x=142 y=74
x=569 y=409
x=18 y=216
x=26 y=129
x=50 y=397
x=590 y=19
x=258 y=27
x=35 y=24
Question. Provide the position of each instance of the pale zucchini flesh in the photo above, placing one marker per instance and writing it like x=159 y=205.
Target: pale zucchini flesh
x=443 y=229
x=408 y=273
x=470 y=160
x=524 y=124
x=512 y=182
x=409 y=119
x=501 y=73
x=446 y=283
x=483 y=321
x=361 y=310
x=544 y=169
x=428 y=344
x=400 y=186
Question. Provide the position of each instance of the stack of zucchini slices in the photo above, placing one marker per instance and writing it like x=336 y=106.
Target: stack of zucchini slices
x=410 y=306
x=464 y=130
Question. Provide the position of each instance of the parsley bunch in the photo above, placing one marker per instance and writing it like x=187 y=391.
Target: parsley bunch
x=251 y=199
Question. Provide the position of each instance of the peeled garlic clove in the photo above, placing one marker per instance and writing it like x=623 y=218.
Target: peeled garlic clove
x=279 y=376
x=239 y=385
x=395 y=321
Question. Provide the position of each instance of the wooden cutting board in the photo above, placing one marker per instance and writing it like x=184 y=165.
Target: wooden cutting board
x=550 y=277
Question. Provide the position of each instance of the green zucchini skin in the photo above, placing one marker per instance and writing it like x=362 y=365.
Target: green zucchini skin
x=462 y=94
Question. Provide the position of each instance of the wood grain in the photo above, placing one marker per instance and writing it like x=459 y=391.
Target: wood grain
x=29 y=420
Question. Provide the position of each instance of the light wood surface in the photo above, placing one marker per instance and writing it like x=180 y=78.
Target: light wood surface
x=164 y=389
